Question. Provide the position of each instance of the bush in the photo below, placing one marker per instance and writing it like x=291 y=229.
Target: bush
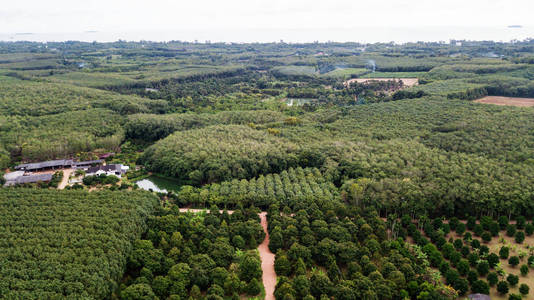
x=503 y=222
x=472 y=276
x=514 y=297
x=478 y=230
x=461 y=285
x=486 y=236
x=524 y=270
x=253 y=287
x=519 y=237
x=481 y=287
x=483 y=268
x=494 y=228
x=513 y=261
x=493 y=278
x=463 y=267
x=504 y=252
x=502 y=287
x=529 y=229
x=512 y=279
x=510 y=230
x=460 y=229
x=493 y=260
x=524 y=289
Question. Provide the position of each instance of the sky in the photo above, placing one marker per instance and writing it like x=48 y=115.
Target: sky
x=257 y=19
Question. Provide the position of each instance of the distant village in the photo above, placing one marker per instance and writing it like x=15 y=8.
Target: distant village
x=73 y=171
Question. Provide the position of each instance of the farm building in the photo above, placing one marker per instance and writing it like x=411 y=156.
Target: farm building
x=478 y=297
x=84 y=165
x=113 y=169
x=29 y=179
x=46 y=165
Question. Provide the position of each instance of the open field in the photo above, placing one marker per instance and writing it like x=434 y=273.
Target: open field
x=508 y=101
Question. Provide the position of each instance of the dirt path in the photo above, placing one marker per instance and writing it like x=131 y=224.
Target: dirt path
x=267 y=261
x=65 y=180
x=266 y=256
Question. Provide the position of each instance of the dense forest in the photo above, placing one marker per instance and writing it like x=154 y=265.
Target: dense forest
x=377 y=171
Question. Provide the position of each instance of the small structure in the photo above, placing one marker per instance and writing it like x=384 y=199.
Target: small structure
x=106 y=155
x=113 y=169
x=29 y=179
x=46 y=165
x=478 y=297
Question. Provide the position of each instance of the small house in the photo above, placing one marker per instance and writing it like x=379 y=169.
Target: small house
x=113 y=169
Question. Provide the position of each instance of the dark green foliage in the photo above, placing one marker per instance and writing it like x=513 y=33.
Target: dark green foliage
x=502 y=287
x=480 y=286
x=493 y=278
x=524 y=289
x=519 y=237
x=513 y=261
x=514 y=297
x=191 y=253
x=504 y=252
x=512 y=279
x=520 y=222
x=486 y=236
x=511 y=230
x=493 y=260
x=483 y=268
x=94 y=222
x=529 y=229
x=524 y=270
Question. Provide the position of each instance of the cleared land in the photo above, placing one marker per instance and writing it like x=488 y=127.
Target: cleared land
x=408 y=82
x=508 y=101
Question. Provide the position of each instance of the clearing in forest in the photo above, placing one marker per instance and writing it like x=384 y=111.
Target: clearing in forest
x=508 y=101
x=408 y=82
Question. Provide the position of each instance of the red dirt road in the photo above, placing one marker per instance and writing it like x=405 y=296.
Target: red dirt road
x=267 y=261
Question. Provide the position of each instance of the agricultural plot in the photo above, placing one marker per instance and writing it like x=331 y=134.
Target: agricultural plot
x=67 y=244
x=194 y=254
x=488 y=256
x=508 y=101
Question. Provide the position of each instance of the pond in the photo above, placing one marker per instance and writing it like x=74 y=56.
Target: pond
x=158 y=184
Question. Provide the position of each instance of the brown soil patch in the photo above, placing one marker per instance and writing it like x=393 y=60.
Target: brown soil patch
x=508 y=101
x=65 y=179
x=408 y=82
x=267 y=261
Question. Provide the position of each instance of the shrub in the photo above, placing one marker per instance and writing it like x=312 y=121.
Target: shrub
x=481 y=287
x=504 y=252
x=472 y=276
x=493 y=260
x=483 y=268
x=510 y=230
x=475 y=244
x=463 y=267
x=486 y=236
x=461 y=285
x=460 y=229
x=529 y=229
x=514 y=297
x=524 y=270
x=513 y=261
x=502 y=287
x=478 y=230
x=503 y=222
x=524 y=289
x=519 y=237
x=520 y=222
x=512 y=279
x=493 y=278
